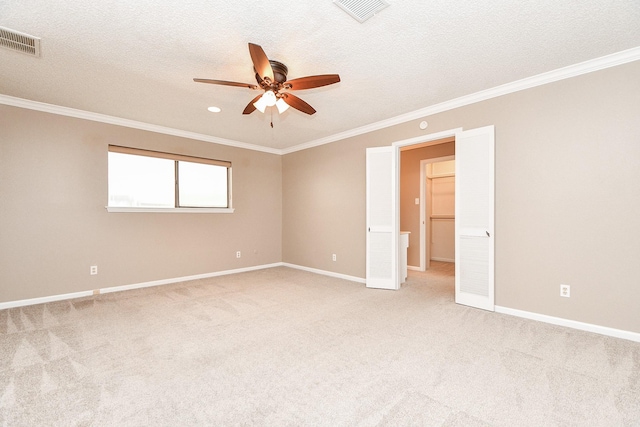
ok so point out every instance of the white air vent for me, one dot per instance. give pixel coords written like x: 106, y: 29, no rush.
x: 20, y: 42
x: 361, y: 10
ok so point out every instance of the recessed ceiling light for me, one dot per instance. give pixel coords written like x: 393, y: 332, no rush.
x: 214, y: 109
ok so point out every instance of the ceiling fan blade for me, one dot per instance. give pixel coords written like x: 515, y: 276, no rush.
x: 226, y: 83
x: 298, y: 103
x: 313, y: 81
x: 260, y: 61
x: 250, y: 108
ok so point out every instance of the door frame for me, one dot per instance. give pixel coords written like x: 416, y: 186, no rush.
x: 418, y: 141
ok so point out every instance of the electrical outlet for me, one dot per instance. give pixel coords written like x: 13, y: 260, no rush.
x: 93, y: 270
x: 238, y: 254
x: 565, y: 291
x: 333, y: 257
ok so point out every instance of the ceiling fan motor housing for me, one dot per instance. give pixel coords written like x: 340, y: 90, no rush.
x: 279, y: 72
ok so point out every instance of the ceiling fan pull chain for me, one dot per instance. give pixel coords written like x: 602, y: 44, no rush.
x: 271, y: 118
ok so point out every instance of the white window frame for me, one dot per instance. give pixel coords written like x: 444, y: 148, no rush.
x: 177, y: 157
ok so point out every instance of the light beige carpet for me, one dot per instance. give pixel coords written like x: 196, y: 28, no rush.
x: 284, y: 347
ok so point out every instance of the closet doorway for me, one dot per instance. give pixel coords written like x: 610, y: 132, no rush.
x: 437, y: 208
x: 416, y: 164
x: 474, y: 212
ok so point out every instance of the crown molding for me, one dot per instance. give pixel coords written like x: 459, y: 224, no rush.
x: 575, y: 70
x: 103, y: 118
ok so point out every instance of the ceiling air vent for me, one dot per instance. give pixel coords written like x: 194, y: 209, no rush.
x: 20, y: 42
x: 361, y: 10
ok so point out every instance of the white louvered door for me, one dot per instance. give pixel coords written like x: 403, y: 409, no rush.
x: 382, y: 235
x: 475, y: 195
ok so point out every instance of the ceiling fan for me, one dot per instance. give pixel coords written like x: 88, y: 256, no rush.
x: 272, y: 80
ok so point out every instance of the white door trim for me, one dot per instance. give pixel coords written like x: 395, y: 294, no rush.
x: 422, y: 141
x: 426, y: 140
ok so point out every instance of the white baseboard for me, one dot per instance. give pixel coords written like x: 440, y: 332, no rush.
x: 52, y: 298
x: 413, y: 268
x: 326, y: 273
x: 187, y: 278
x: 42, y: 300
x: 602, y: 330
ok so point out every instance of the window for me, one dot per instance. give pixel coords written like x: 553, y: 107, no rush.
x: 143, y: 180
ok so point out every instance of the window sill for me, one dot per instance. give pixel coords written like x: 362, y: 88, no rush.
x: 169, y: 210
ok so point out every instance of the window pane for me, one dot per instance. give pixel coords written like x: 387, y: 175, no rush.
x: 141, y: 181
x: 202, y: 185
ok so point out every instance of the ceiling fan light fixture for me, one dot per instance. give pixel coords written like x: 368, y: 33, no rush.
x: 260, y: 104
x: 282, y: 106
x: 269, y: 98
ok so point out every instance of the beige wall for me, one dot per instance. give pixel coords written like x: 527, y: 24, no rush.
x: 567, y: 196
x: 410, y: 190
x: 323, y: 204
x: 53, y: 185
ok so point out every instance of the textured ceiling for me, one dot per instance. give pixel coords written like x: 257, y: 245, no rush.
x: 136, y: 59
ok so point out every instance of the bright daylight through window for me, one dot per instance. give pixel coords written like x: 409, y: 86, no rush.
x: 143, y: 180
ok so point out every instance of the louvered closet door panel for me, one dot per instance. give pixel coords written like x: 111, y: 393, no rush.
x: 381, y: 235
x: 475, y: 218
x: 474, y: 271
x: 380, y: 266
